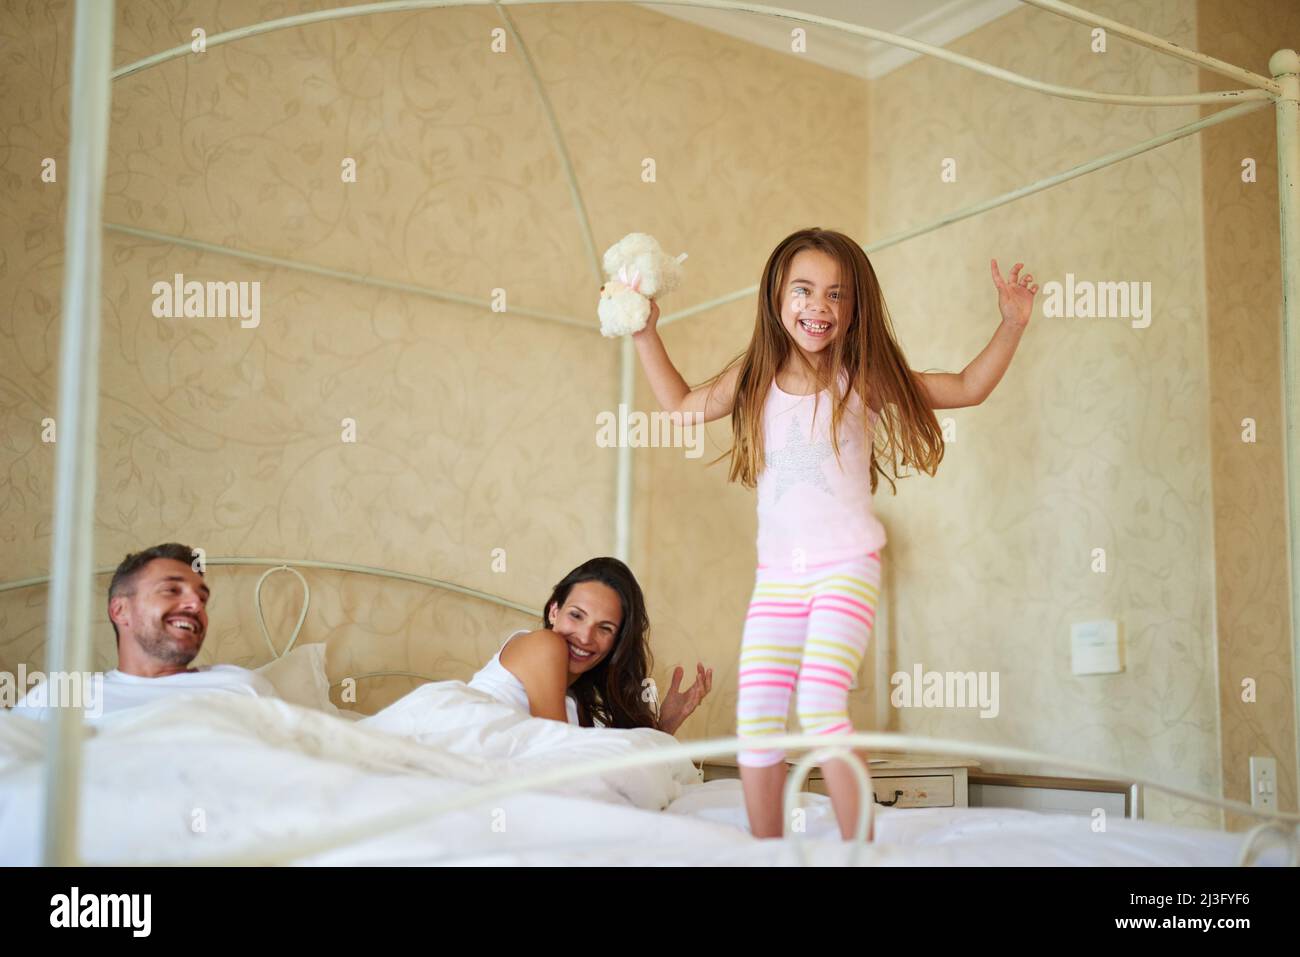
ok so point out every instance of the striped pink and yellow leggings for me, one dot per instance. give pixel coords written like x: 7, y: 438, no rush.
x: 806, y: 631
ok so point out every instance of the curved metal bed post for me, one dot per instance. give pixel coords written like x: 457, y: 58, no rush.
x: 1158, y: 44
x: 328, y: 566
x: 1279, y: 834
x: 377, y: 572
x: 298, y: 848
x: 343, y: 275
x: 626, y: 355
x: 866, y: 796
x: 287, y: 566
x: 302, y: 616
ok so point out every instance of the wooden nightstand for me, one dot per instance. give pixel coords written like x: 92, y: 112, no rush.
x: 901, y: 780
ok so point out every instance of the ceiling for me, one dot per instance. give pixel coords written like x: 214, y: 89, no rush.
x: 937, y: 22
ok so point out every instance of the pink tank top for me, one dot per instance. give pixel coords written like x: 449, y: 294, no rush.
x: 811, y: 508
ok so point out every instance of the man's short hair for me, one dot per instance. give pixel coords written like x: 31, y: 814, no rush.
x: 123, y: 582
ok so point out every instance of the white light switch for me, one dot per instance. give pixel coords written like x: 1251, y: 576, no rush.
x: 1263, y: 783
x: 1094, y: 648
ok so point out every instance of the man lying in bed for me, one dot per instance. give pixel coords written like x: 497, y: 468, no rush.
x: 157, y: 604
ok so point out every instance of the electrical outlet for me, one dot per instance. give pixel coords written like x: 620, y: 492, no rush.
x: 1263, y: 783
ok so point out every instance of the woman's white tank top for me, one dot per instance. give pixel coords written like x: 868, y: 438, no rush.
x: 494, y: 679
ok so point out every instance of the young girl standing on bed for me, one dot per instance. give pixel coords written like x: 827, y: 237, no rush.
x: 822, y: 346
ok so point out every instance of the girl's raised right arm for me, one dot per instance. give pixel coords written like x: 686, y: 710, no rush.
x: 714, y: 399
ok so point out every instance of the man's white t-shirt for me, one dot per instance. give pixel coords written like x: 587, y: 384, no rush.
x: 121, y: 691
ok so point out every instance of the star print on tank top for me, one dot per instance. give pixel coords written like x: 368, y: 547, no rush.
x: 799, y: 460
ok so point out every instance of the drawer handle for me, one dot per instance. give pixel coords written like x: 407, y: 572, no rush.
x: 897, y: 795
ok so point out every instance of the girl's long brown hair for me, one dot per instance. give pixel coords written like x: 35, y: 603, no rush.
x: 613, y: 691
x: 907, y: 432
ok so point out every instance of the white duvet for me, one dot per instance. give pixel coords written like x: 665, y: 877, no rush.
x: 206, y: 776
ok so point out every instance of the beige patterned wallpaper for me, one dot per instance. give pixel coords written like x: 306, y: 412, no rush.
x: 475, y: 429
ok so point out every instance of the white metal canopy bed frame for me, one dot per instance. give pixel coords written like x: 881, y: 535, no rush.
x: 71, y: 578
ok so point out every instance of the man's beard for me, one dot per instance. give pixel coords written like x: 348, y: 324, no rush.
x: 161, y: 646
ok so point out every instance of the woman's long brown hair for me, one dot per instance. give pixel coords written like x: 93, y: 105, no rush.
x: 613, y: 691
x: 907, y: 432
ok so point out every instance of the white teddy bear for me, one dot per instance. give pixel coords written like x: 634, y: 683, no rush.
x: 638, y: 270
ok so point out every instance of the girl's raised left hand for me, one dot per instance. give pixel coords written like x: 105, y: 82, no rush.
x: 1015, y: 297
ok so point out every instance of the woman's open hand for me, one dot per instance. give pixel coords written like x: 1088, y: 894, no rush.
x: 678, y: 704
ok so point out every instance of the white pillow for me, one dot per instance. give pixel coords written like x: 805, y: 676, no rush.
x: 299, y: 678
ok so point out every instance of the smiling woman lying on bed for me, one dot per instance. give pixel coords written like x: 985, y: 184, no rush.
x: 592, y: 662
